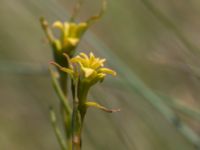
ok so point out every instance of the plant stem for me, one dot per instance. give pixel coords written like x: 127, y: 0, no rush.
x: 57, y: 130
x: 65, y: 108
x: 66, y: 116
x: 76, y: 120
x: 76, y: 125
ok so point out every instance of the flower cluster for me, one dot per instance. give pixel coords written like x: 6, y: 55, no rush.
x: 87, y: 69
x: 70, y: 35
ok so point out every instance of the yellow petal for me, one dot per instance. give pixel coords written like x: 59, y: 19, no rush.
x: 73, y: 41
x: 58, y: 25
x: 72, y: 29
x: 82, y: 27
x: 107, y: 71
x: 91, y: 56
x: 76, y: 59
x: 79, y: 60
x: 84, y: 55
x: 94, y: 104
x: 66, y: 29
x: 101, y: 75
x: 101, y: 61
x: 97, y: 63
x: 87, y: 71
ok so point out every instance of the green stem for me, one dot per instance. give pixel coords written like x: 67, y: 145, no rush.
x: 76, y: 120
x: 59, y: 92
x: 82, y: 96
x: 76, y: 125
x: 63, y: 82
x: 65, y: 107
x: 57, y: 130
x: 66, y: 116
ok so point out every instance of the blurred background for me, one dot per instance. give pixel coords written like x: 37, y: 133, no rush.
x: 154, y: 47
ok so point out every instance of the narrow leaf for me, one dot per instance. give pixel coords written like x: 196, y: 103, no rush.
x: 61, y: 95
x: 94, y: 104
x: 57, y: 130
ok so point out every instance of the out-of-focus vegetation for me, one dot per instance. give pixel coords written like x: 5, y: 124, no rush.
x: 153, y: 45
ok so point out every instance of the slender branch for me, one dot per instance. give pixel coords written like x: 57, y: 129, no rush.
x: 57, y: 130
x: 65, y: 107
x: 100, y: 14
x: 76, y: 10
x: 76, y: 120
x: 61, y: 95
x: 45, y: 27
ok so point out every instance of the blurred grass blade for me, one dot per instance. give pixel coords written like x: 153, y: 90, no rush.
x: 22, y: 68
x: 170, y: 25
x: 193, y: 113
x: 136, y: 84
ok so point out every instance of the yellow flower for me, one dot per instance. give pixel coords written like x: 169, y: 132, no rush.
x: 70, y: 34
x: 87, y: 68
x: 68, y: 39
x: 91, y: 66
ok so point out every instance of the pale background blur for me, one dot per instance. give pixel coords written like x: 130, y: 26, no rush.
x: 154, y: 47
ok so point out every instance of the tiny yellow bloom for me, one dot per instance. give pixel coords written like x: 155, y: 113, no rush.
x: 70, y: 34
x: 92, y: 66
x: 87, y: 68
